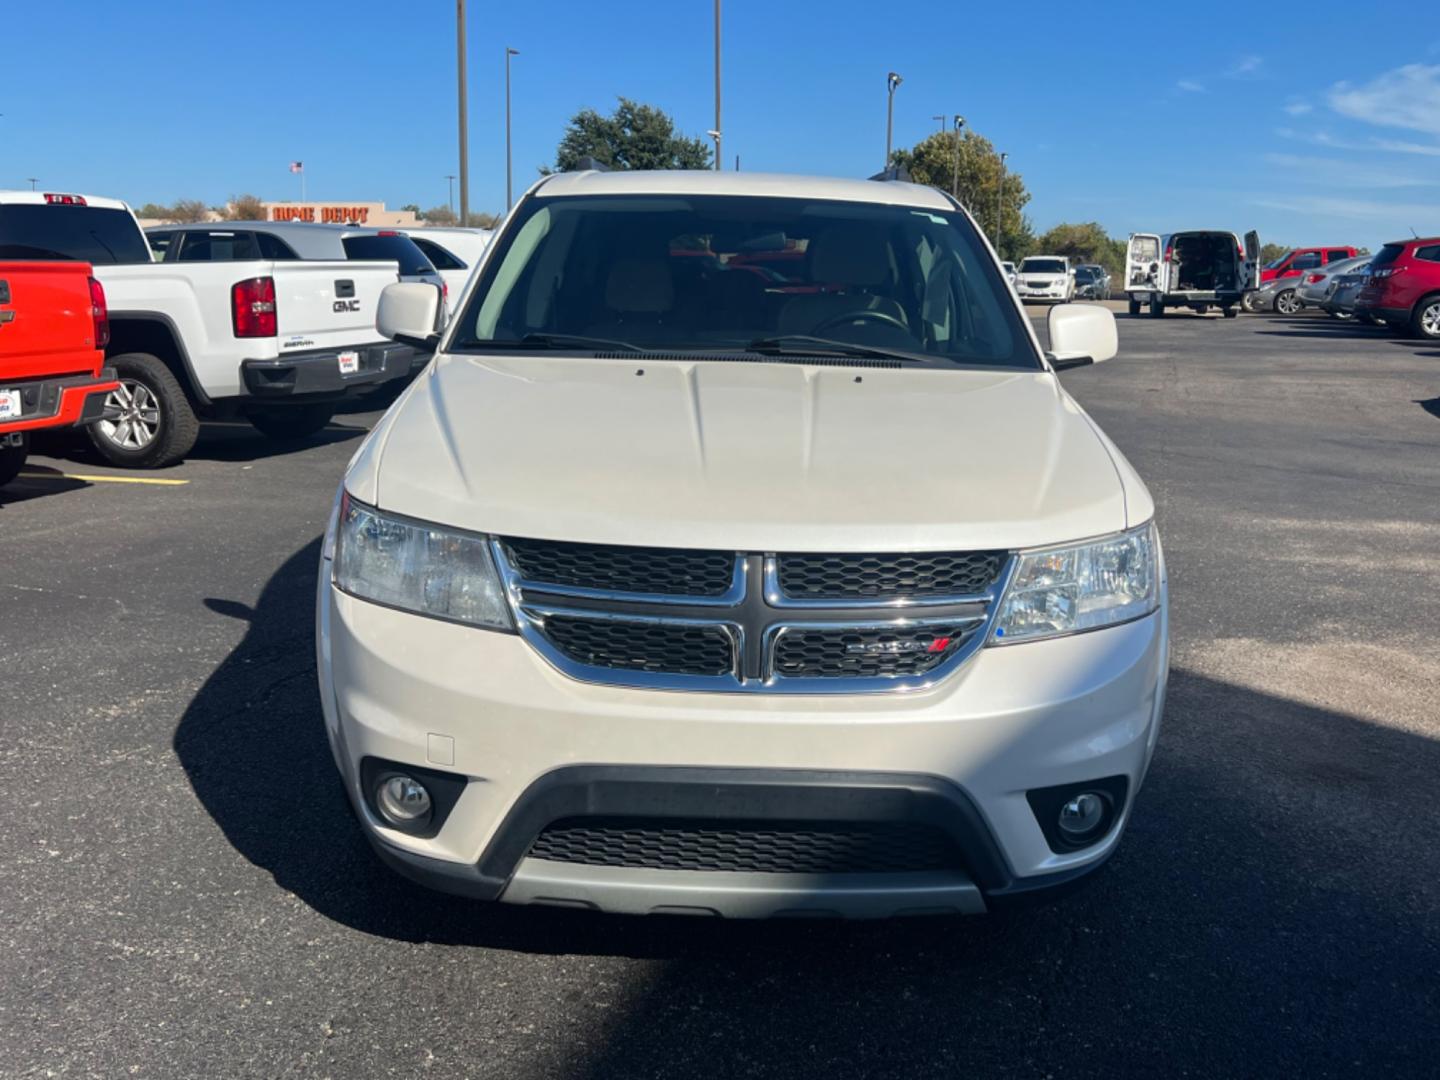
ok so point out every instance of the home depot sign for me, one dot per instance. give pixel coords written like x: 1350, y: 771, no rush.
x: 326, y: 213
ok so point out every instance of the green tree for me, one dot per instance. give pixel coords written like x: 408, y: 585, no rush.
x: 243, y: 208
x: 414, y: 208
x: 634, y: 136
x: 436, y: 215
x: 189, y: 211
x: 1270, y: 252
x: 1084, y: 243
x: 481, y: 220
x: 970, y: 167
x: 153, y: 212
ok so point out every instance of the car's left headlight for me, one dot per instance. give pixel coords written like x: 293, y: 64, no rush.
x: 418, y: 567
x: 1065, y: 590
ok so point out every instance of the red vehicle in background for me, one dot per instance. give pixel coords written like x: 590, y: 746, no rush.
x: 1403, y: 289
x: 53, y: 330
x: 1296, y: 261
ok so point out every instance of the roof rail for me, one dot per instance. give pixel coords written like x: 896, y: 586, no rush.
x: 590, y: 164
x: 895, y: 172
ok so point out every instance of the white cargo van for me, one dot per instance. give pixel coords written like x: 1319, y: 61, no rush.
x: 1198, y: 270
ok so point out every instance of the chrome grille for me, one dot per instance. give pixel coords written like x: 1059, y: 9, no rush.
x: 774, y: 847
x: 788, y: 623
x: 815, y: 652
x: 906, y: 576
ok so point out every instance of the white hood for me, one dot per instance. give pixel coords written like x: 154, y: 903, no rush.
x: 748, y: 456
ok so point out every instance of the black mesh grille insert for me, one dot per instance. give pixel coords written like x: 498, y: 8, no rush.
x: 775, y: 847
x: 635, y: 646
x: 664, y: 571
x: 820, y: 653
x: 884, y: 577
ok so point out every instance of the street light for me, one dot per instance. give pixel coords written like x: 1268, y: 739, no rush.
x: 451, y: 186
x: 955, y: 174
x: 509, y: 197
x: 715, y: 132
x: 941, y: 118
x: 32, y: 182
x: 464, y: 118
x: 892, y: 83
x: 1000, y: 203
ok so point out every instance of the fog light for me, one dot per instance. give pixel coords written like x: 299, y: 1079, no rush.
x: 1082, y: 815
x: 402, y: 800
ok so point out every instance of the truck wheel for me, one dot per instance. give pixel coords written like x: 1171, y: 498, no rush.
x: 1134, y: 307
x: 1229, y: 311
x: 1425, y: 322
x: 157, y: 426
x: 1287, y: 303
x: 12, y: 459
x: 1157, y: 309
x: 1202, y: 309
x: 292, y: 421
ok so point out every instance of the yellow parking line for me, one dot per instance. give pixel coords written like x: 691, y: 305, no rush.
x: 95, y: 478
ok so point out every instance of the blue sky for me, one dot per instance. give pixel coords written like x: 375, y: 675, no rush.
x: 1321, y: 129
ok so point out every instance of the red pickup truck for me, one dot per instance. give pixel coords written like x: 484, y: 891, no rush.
x: 53, y: 332
x: 1297, y: 260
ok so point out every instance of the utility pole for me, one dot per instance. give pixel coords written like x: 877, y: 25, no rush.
x: 955, y: 174
x: 464, y: 114
x: 509, y: 174
x: 941, y: 118
x: 33, y: 181
x: 451, y: 185
x: 718, y: 129
x: 892, y: 83
x: 1000, y: 203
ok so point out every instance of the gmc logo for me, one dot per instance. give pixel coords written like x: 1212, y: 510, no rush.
x: 342, y: 306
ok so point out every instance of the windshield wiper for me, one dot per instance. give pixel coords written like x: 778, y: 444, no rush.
x: 806, y: 345
x: 554, y: 341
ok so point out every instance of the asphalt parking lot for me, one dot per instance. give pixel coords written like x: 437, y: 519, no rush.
x: 183, y: 893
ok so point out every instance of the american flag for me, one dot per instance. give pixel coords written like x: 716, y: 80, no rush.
x: 297, y: 166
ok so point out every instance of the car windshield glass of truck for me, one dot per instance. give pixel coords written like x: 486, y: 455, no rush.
x: 783, y: 277
x: 93, y: 234
x: 1042, y: 266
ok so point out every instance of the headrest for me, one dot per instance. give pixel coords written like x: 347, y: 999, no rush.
x: 639, y: 286
x: 850, y: 255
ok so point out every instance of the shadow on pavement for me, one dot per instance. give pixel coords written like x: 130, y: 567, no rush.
x: 1272, y: 910
x: 232, y: 441
x: 1432, y: 406
x: 37, y: 481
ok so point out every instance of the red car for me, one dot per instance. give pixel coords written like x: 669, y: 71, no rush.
x: 1298, y: 260
x: 53, y: 331
x: 1403, y: 289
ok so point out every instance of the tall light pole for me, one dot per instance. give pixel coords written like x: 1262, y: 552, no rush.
x: 451, y: 185
x: 1000, y: 203
x: 33, y: 181
x: 715, y: 134
x: 509, y: 195
x: 892, y: 83
x: 941, y: 118
x: 955, y: 174
x: 464, y: 114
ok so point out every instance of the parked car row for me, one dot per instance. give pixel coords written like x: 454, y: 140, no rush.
x: 267, y: 321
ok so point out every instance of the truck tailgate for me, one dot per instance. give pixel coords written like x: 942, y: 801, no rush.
x: 46, y: 324
x: 323, y: 305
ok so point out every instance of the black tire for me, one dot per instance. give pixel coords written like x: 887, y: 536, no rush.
x: 1202, y: 309
x: 1286, y: 298
x: 1157, y: 309
x: 161, y: 427
x: 1134, y: 307
x: 1425, y: 319
x: 1248, y: 302
x: 12, y: 460
x: 1229, y: 311
x: 288, y: 422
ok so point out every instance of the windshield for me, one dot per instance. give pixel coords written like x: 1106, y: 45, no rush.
x: 1042, y: 266
x: 93, y: 234
x: 1084, y: 273
x: 1275, y: 264
x: 723, y: 272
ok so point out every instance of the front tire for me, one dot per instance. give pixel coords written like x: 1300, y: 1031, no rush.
x: 1287, y: 303
x: 1425, y: 321
x: 157, y: 426
x: 12, y: 460
x: 1229, y: 311
x: 1134, y: 307
x: 292, y: 421
x: 1157, y: 309
x: 1248, y: 303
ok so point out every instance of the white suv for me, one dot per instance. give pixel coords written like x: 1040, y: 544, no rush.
x: 674, y: 586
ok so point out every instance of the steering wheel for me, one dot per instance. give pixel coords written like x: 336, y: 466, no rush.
x: 862, y: 315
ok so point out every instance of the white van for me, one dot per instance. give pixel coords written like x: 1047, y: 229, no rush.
x: 1198, y: 270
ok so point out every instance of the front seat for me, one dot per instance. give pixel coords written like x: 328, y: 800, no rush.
x: 639, y: 294
x: 853, y: 259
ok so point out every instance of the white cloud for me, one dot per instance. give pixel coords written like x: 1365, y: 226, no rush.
x: 1399, y: 147
x: 1297, y: 108
x: 1408, y: 97
x: 1360, y: 209
x: 1332, y: 172
x: 1190, y: 86
x: 1331, y: 142
x: 1248, y: 66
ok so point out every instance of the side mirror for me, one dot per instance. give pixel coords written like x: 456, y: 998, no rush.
x: 408, y: 312
x: 1081, y: 334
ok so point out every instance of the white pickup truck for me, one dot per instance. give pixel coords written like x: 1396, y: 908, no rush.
x: 278, y: 342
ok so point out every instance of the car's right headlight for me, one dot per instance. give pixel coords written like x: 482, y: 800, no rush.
x: 418, y: 567
x: 1065, y: 590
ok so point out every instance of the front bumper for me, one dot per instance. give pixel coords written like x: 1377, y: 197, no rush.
x: 70, y: 401
x: 533, y: 745
x: 317, y: 375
